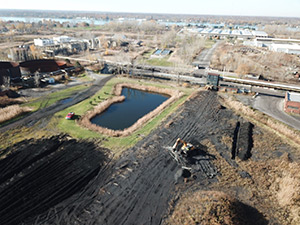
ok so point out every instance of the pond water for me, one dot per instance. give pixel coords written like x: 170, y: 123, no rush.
x: 124, y: 114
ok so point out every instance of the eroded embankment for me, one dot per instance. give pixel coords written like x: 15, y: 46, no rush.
x: 39, y: 174
x: 86, y: 119
x: 214, y: 207
x: 260, y: 119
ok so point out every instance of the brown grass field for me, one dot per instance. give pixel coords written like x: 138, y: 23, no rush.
x: 209, y: 208
x: 5, y: 101
x: 273, y: 190
x: 11, y: 112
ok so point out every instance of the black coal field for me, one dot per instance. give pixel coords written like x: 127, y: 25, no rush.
x: 38, y: 174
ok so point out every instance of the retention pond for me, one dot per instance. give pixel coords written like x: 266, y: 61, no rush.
x: 122, y: 115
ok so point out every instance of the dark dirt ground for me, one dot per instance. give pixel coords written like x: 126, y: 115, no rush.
x: 143, y: 185
x: 37, y: 175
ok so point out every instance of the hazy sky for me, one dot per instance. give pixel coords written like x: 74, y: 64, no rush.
x: 290, y: 8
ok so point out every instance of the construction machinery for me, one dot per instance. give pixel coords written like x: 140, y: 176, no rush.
x: 180, y: 151
x: 192, y: 157
x: 185, y: 146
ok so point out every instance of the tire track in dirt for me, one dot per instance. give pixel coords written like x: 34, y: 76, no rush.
x: 40, y: 174
x: 142, y: 196
x: 137, y: 188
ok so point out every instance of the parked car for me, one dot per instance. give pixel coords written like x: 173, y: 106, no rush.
x: 70, y: 115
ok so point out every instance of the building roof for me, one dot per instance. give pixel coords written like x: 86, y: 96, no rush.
x: 286, y: 46
x: 287, y: 40
x: 8, y: 65
x: 259, y: 33
x: 246, y: 32
x: 294, y: 97
x: 237, y: 32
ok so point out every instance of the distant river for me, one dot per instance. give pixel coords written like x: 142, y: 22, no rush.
x: 61, y: 20
x: 102, y: 22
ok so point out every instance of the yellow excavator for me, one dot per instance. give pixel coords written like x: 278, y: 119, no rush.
x: 185, y: 146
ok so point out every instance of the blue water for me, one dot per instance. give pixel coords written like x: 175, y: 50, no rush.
x: 66, y: 100
x: 102, y: 22
x: 61, y: 20
x: 122, y: 115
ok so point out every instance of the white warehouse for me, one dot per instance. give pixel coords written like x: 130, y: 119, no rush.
x: 54, y: 41
x: 43, y: 42
x: 286, y: 48
x: 61, y: 39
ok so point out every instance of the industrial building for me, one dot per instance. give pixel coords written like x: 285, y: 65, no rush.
x: 292, y: 102
x: 43, y: 42
x: 9, y: 73
x: 61, y: 39
x: 64, y: 45
x: 42, y: 66
x: 54, y: 41
x: 213, y: 80
x: 286, y: 48
x: 222, y: 33
x: 289, y: 46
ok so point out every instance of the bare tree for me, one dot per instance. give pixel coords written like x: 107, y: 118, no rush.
x: 37, y: 79
x: 243, y: 69
x: 6, y: 82
x: 123, y: 61
x: 189, y: 47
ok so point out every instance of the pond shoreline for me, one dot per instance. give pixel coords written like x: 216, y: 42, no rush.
x: 85, y: 121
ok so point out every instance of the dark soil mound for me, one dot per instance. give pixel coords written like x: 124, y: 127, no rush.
x: 212, y: 207
x: 10, y: 94
x: 38, y: 174
x: 245, y: 141
x: 242, y: 141
x: 42, y: 65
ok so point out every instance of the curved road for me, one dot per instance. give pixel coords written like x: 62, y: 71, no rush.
x: 273, y: 106
x: 34, y: 117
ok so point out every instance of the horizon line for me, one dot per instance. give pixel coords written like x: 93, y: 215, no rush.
x: 149, y: 13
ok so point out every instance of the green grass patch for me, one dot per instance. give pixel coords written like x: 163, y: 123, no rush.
x: 50, y: 99
x: 117, y: 144
x: 159, y: 62
x: 209, y: 43
x: 84, y: 78
x: 148, y: 54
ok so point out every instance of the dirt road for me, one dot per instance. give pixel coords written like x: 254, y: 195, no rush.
x: 58, y: 106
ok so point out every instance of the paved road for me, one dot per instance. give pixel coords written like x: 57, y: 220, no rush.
x: 273, y: 106
x: 58, y: 106
x: 203, y: 59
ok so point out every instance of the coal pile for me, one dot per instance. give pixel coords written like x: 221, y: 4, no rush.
x: 242, y: 140
x: 245, y: 141
x: 38, y: 174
